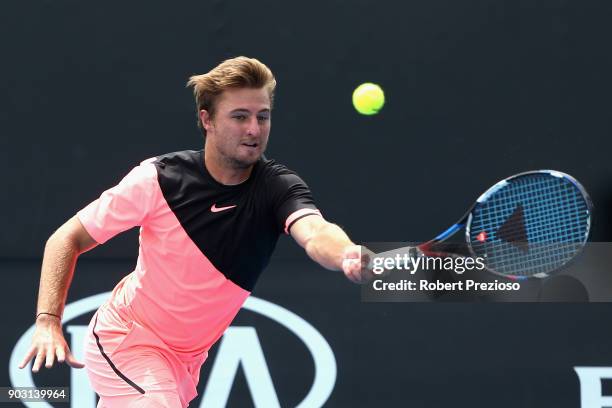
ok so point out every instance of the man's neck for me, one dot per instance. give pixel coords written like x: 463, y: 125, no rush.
x: 223, y: 173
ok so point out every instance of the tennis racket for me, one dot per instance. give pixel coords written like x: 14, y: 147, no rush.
x: 527, y: 225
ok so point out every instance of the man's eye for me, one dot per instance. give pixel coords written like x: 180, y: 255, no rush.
x: 263, y: 118
x: 240, y: 117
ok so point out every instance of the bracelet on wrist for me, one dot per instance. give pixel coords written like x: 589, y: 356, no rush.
x: 50, y: 314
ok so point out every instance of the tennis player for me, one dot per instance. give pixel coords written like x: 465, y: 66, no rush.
x: 209, y: 221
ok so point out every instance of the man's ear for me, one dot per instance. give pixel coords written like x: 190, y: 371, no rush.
x: 205, y: 119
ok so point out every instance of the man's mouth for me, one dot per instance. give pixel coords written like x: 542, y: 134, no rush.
x: 251, y: 145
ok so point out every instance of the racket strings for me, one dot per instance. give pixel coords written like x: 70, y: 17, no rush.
x: 554, y: 221
x: 559, y: 216
x: 547, y: 223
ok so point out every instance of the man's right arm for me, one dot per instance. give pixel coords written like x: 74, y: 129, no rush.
x: 59, y: 260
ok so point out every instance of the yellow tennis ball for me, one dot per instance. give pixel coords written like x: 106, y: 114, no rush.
x: 368, y: 98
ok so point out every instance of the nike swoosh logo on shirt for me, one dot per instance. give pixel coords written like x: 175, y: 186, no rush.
x: 215, y: 209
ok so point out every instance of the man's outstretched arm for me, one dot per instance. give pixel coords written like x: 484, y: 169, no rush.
x: 59, y: 260
x: 328, y: 245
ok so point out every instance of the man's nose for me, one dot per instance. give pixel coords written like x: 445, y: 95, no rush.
x: 253, y: 127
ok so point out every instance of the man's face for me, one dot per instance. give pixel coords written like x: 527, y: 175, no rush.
x: 238, y: 133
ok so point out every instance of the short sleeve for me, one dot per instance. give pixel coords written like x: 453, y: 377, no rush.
x: 292, y: 200
x: 123, y: 206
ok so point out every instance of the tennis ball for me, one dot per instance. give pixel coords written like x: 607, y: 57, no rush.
x: 368, y: 98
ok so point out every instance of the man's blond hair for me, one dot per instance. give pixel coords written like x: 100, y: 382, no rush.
x: 239, y: 72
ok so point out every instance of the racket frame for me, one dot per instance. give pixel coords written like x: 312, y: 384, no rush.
x: 466, y: 220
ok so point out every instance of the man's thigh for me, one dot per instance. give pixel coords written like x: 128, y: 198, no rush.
x: 125, y: 373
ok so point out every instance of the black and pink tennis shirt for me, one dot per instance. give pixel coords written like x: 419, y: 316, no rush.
x: 202, y: 244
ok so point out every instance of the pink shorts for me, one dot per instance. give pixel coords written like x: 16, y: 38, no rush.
x: 128, y: 365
